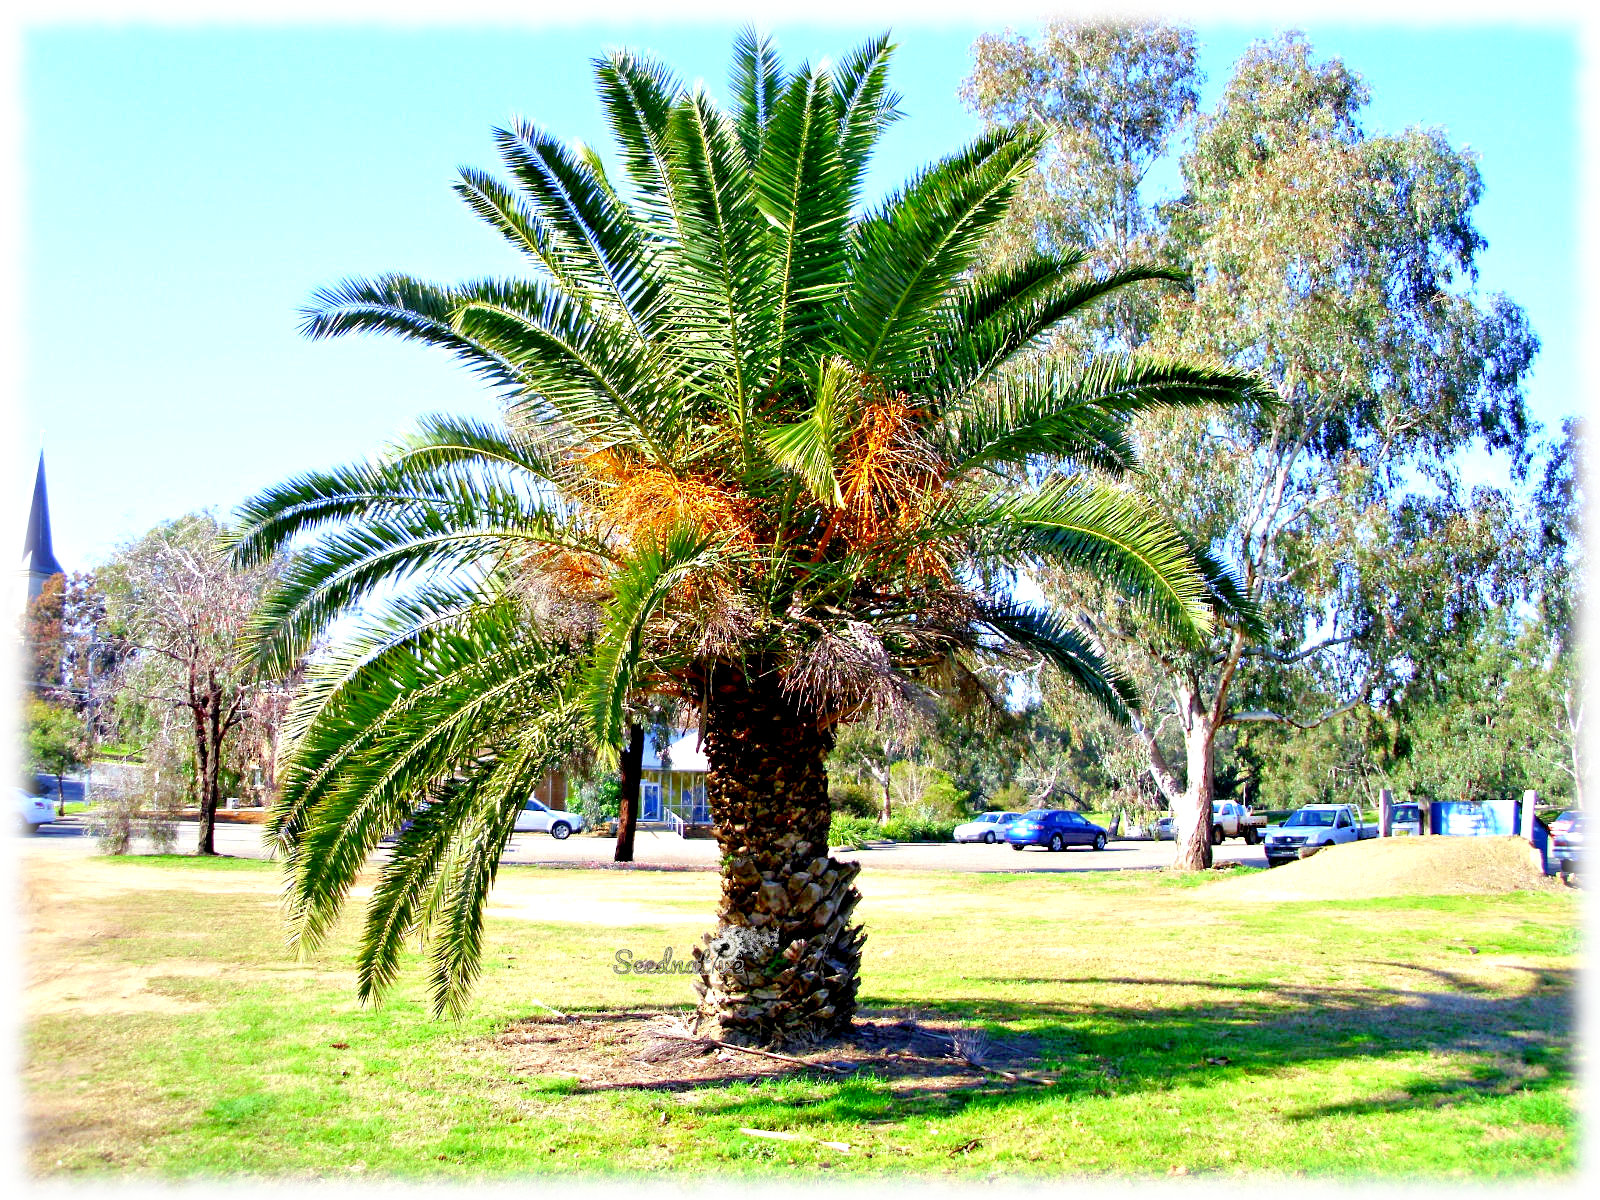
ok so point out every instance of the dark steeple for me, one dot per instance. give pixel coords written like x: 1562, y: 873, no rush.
x: 38, y: 558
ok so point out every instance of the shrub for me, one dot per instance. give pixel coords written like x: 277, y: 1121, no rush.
x: 848, y: 830
x: 852, y: 798
x: 118, y: 815
x: 1010, y: 798
x: 598, y: 801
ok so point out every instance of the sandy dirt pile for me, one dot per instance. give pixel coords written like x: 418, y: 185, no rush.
x: 1403, y: 866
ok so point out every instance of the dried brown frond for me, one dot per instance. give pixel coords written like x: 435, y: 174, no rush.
x: 564, y: 591
x: 846, y: 669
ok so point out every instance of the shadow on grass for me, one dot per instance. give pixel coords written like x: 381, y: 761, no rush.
x: 1482, y: 1044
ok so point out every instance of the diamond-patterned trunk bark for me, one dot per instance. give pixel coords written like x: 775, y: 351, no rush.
x: 781, y: 968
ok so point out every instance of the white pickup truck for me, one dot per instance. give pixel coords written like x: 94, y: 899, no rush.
x: 1311, y: 828
x: 1235, y: 820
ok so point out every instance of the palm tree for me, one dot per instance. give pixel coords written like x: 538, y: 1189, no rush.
x: 763, y: 455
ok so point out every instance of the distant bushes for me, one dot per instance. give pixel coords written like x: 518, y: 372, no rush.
x: 849, y: 830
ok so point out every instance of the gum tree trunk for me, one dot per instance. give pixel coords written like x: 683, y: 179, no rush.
x: 782, y: 966
x: 1193, y: 834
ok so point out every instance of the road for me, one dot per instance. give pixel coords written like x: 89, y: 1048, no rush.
x: 667, y: 850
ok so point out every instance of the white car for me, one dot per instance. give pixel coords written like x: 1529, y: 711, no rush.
x: 32, y: 811
x: 985, y: 827
x: 536, y: 818
x: 1406, y: 821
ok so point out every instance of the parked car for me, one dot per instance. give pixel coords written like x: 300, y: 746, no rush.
x: 536, y: 818
x: 1566, y: 847
x: 985, y: 827
x: 1406, y: 820
x: 1313, y: 827
x: 1164, y: 830
x: 1054, y: 828
x: 32, y: 811
x: 1229, y: 819
x: 1564, y: 822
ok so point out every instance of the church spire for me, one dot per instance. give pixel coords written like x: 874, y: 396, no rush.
x: 38, y: 557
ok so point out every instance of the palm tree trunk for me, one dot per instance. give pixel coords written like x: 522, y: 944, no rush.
x: 782, y: 966
x: 628, y: 793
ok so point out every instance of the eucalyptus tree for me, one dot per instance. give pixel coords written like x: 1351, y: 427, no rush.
x: 764, y: 453
x: 1340, y: 266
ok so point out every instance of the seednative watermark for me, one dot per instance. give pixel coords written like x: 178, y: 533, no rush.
x: 734, y: 950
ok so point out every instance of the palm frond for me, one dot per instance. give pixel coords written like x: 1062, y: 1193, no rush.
x: 863, y: 106
x: 806, y: 448
x: 638, y: 95
x: 1047, y: 635
x: 912, y: 252
x: 720, y: 274
x: 755, y: 81
x: 1089, y: 527
x: 600, y: 241
x: 1079, y: 413
x: 997, y: 318
x: 641, y: 585
x: 801, y: 189
x: 408, y: 308
x: 540, y: 747
x: 368, y: 757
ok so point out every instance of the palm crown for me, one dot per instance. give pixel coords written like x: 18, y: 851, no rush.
x: 751, y: 433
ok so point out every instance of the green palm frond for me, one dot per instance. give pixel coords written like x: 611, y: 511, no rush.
x: 540, y: 747
x: 638, y: 95
x: 572, y: 363
x: 449, y: 522
x: 802, y: 191
x: 1061, y: 410
x: 1085, y: 526
x: 806, y: 448
x: 996, y: 319
x: 600, y: 241
x: 1228, y: 597
x: 369, y: 756
x: 915, y: 248
x: 441, y: 440
x: 755, y: 81
x: 863, y: 106
x: 641, y: 585
x: 720, y: 272
x: 407, y: 308
x: 1047, y: 635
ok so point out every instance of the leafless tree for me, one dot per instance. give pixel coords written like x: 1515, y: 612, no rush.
x: 179, y: 608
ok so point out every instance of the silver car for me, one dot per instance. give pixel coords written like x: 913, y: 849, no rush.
x: 32, y: 811
x: 536, y: 818
x: 985, y: 827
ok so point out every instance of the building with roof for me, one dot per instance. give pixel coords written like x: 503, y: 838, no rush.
x: 673, y: 780
x: 38, y: 555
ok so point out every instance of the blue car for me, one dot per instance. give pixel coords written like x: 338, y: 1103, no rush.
x: 1055, y: 829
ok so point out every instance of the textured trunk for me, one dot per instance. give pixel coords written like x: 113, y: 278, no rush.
x: 208, y: 731
x: 1194, y: 813
x: 628, y: 793
x: 781, y: 968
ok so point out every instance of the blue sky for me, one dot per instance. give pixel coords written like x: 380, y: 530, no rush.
x: 185, y: 189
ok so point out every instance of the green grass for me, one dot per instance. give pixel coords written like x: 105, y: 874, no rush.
x: 1347, y: 1041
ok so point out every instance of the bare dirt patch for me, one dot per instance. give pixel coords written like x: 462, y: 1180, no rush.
x: 96, y: 988
x: 612, y: 1051
x: 1404, y: 866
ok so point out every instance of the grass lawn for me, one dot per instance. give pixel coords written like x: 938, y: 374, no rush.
x: 168, y: 1034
